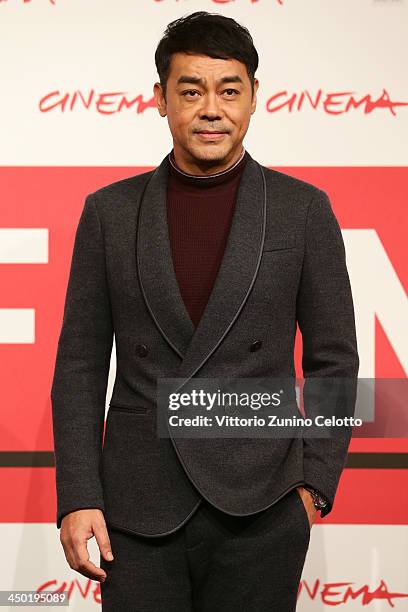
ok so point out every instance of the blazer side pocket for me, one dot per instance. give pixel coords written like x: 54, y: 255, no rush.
x: 115, y: 407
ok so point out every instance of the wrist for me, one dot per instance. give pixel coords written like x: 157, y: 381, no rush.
x: 319, y: 500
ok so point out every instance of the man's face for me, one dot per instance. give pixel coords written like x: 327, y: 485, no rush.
x: 204, y: 94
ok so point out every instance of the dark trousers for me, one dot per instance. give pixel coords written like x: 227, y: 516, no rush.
x: 214, y: 563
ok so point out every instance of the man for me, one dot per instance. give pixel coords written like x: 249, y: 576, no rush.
x: 202, y: 267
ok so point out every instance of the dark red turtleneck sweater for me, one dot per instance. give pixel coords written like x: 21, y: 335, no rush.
x: 199, y: 215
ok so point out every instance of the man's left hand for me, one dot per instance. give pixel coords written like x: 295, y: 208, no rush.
x: 307, y: 500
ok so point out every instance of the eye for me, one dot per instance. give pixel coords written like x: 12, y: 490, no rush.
x: 189, y: 92
x: 193, y: 91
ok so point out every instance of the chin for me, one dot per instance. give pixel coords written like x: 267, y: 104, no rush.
x: 210, y: 152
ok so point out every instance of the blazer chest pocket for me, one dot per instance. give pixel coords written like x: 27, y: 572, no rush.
x: 117, y: 407
x: 279, y: 245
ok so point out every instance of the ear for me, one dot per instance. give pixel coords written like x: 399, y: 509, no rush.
x: 160, y: 99
x: 253, y: 102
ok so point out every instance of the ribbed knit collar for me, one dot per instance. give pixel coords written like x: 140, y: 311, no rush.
x: 209, y: 180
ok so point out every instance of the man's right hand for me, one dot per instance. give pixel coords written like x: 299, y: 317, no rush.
x: 77, y: 528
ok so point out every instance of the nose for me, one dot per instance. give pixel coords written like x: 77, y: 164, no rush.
x: 210, y: 108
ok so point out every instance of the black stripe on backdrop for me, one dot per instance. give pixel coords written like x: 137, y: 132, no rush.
x: 354, y: 460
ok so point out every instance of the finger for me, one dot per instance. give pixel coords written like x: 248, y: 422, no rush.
x: 103, y: 541
x: 82, y: 562
x: 312, y: 515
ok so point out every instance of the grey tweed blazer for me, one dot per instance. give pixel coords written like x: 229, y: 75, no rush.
x: 284, y: 265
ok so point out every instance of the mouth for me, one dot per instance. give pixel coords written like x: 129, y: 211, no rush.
x: 207, y: 135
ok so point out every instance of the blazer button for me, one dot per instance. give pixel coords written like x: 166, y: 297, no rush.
x: 255, y: 345
x: 141, y: 350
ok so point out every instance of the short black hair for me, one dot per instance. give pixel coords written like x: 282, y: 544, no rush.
x: 209, y: 34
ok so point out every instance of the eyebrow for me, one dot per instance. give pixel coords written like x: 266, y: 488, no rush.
x: 234, y: 78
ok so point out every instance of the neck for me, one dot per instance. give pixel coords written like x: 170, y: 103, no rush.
x: 177, y: 167
x: 193, y: 183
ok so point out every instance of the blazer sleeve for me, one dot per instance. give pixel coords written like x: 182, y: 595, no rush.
x: 330, y: 361
x: 81, y: 371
